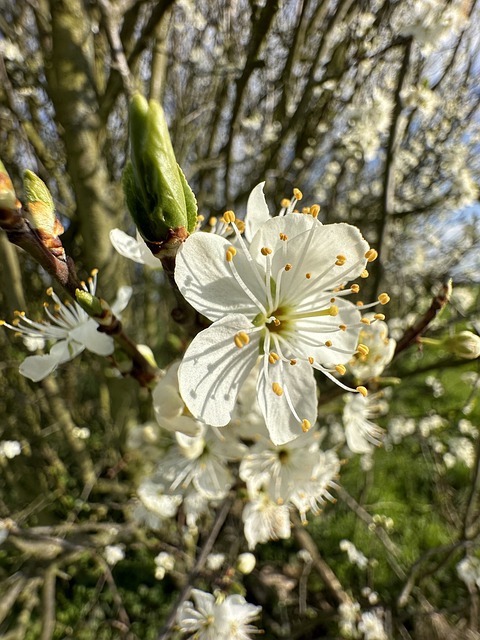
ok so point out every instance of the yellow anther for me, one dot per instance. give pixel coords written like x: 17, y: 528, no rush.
x: 364, y: 274
x: 362, y: 391
x: 366, y: 321
x: 228, y: 217
x: 50, y: 291
x: 297, y: 194
x: 45, y: 305
x: 308, y: 276
x: 306, y: 425
x: 333, y: 311
x: 240, y: 225
x: 241, y: 339
x: 231, y: 251
x: 265, y: 251
x: 57, y: 307
x: 379, y: 316
x: 277, y: 389
x: 288, y: 266
x: 341, y: 369
x: 342, y: 327
x: 359, y: 303
x: 371, y: 255
x: 285, y: 203
x: 93, y: 272
x: 276, y: 322
x: 16, y: 322
x: 328, y: 343
x: 17, y: 334
x: 200, y: 218
x: 20, y: 314
x: 2, y: 322
x: 82, y: 282
x: 284, y: 237
x: 293, y: 362
x: 311, y: 360
x: 383, y: 298
x: 273, y: 357
x: 340, y: 261
x: 363, y: 349
x: 212, y: 221
x: 314, y: 210
x: 306, y: 210
x: 355, y: 288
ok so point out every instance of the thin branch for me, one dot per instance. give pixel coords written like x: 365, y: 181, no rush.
x: 381, y: 534
x: 332, y: 583
x: 222, y: 513
x: 414, y: 332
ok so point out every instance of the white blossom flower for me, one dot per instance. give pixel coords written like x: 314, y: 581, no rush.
x: 114, y: 553
x: 5, y: 526
x: 215, y: 561
x: 371, y: 626
x: 361, y: 433
x: 312, y: 495
x: 354, y: 555
x: 164, y: 563
x: 201, y: 460
x: 281, y: 299
x: 156, y: 504
x: 280, y: 470
x: 10, y: 449
x: 208, y: 618
x: 133, y: 248
x: 169, y: 407
x: 265, y: 520
x: 348, y: 612
x: 71, y: 330
x: 430, y: 22
x: 374, y: 335
x: 468, y: 570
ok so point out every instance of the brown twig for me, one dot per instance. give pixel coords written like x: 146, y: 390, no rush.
x: 62, y: 268
x: 332, y: 583
x: 220, y: 518
x: 414, y: 332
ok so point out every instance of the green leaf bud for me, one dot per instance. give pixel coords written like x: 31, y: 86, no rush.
x: 40, y: 204
x: 8, y: 199
x: 156, y: 191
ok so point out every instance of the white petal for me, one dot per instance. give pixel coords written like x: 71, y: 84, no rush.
x: 257, y: 212
x: 344, y: 343
x: 268, y: 235
x: 299, y: 387
x: 66, y: 350
x: 37, y: 368
x: 90, y: 338
x: 206, y: 281
x: 123, y: 298
x: 213, y: 369
x: 316, y: 253
x: 132, y: 249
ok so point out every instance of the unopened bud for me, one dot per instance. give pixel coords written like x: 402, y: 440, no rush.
x: 89, y: 303
x: 463, y: 345
x: 157, y: 193
x: 246, y: 563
